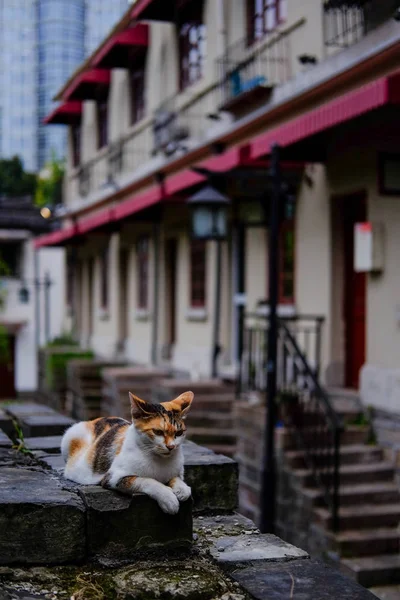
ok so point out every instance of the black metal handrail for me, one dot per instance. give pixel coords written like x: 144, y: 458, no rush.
x: 348, y: 21
x: 308, y: 411
x: 305, y: 406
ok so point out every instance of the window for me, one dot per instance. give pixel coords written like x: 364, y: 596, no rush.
x: 104, y: 267
x: 102, y: 122
x: 198, y: 274
x: 192, y: 43
x: 70, y: 283
x: 143, y: 272
x: 137, y: 94
x: 10, y: 259
x: 264, y: 16
x: 286, y: 271
x: 76, y: 144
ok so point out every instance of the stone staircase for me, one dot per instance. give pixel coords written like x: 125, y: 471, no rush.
x: 367, y: 547
x: 211, y: 415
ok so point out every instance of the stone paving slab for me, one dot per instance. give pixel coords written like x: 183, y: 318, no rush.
x: 119, y: 527
x: 27, y: 409
x: 45, y: 425
x: 300, y: 580
x: 50, y: 444
x: 40, y: 522
x: 235, y: 540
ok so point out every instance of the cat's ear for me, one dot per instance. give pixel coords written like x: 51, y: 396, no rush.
x: 140, y: 408
x: 181, y: 404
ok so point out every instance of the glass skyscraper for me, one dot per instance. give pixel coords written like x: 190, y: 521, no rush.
x: 41, y: 44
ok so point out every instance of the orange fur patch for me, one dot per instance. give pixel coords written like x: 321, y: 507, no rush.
x: 75, y: 446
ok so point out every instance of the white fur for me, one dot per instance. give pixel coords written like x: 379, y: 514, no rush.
x: 150, y: 461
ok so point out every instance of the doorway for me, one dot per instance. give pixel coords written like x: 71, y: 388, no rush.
x: 7, y: 372
x: 171, y: 255
x: 354, y: 309
x: 90, y: 298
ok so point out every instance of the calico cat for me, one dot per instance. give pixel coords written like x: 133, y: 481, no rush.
x: 144, y: 456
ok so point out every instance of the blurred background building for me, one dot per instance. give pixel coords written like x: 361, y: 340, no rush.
x: 44, y: 40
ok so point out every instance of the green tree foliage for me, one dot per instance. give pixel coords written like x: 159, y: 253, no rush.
x: 14, y: 181
x: 49, y: 184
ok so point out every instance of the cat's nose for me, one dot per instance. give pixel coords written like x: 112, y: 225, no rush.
x: 170, y: 447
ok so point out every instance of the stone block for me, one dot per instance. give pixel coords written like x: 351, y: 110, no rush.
x: 49, y: 444
x: 27, y: 409
x: 121, y: 527
x: 40, y: 522
x: 308, y: 579
x: 45, y: 425
x: 212, y: 477
x: 6, y: 423
x: 5, y: 441
x: 235, y: 540
x: 54, y: 461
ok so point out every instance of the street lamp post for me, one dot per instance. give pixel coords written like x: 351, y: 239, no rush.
x: 209, y: 222
x: 268, y: 482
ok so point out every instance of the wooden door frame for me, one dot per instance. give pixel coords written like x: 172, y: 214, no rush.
x: 360, y: 196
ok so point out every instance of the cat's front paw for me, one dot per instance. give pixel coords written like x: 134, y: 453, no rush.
x: 181, y: 490
x: 168, y: 502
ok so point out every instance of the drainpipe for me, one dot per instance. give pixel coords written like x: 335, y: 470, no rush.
x: 156, y: 287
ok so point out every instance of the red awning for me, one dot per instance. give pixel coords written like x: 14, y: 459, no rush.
x: 155, y: 10
x: 118, y: 51
x: 87, y: 85
x: 56, y: 238
x: 382, y: 92
x: 102, y: 218
x: 65, y: 114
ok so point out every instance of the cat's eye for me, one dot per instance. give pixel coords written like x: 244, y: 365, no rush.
x: 158, y: 432
x: 179, y: 433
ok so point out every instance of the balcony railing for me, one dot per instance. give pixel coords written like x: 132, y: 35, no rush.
x: 348, y: 21
x: 246, y: 72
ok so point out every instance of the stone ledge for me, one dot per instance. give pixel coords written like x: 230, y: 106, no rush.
x: 121, y: 527
x: 40, y: 522
x: 212, y: 477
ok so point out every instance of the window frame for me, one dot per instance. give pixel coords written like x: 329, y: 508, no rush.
x: 76, y: 133
x: 198, y: 266
x: 137, y: 82
x: 102, y: 122
x: 104, y: 277
x: 268, y: 6
x: 143, y: 271
x: 191, y: 18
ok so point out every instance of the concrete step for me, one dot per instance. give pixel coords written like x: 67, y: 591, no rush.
x: 367, y: 493
x: 351, y: 454
x: 353, y: 434
x: 225, y: 449
x: 367, y: 542
x: 363, y: 516
x: 213, y: 419
x: 206, y: 435
x: 381, y: 471
x: 373, y: 570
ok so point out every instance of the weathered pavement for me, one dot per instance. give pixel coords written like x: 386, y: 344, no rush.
x: 59, y: 539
